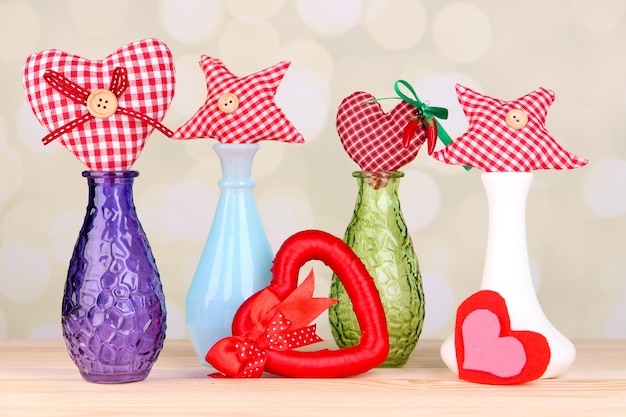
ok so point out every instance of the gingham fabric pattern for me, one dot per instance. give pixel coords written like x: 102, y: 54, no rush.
x: 113, y: 143
x: 373, y: 138
x: 491, y: 145
x: 257, y: 117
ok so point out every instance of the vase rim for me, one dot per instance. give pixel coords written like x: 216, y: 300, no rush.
x: 507, y: 173
x: 236, y: 145
x: 378, y: 174
x: 110, y: 174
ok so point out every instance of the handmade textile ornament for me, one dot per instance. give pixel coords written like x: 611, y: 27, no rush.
x: 488, y: 351
x: 379, y: 141
x: 507, y: 135
x: 273, y: 322
x: 240, y: 110
x: 102, y: 111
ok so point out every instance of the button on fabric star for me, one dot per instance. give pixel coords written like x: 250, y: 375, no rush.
x: 507, y: 136
x: 228, y: 103
x: 240, y: 109
x: 516, y: 119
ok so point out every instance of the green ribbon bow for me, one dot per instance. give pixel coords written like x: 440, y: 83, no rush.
x: 426, y: 111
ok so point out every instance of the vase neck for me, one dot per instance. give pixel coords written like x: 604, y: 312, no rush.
x: 378, y: 191
x: 507, y: 194
x: 507, y: 254
x: 111, y: 188
x: 236, y: 161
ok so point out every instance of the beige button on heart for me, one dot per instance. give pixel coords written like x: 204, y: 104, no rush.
x: 102, y: 103
x: 516, y: 119
x: 228, y: 103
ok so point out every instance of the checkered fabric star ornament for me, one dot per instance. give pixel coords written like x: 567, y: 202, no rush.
x: 240, y: 109
x: 507, y: 136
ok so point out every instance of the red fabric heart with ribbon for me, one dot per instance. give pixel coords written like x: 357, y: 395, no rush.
x: 373, y: 138
x: 488, y: 351
x: 275, y: 321
x: 102, y: 111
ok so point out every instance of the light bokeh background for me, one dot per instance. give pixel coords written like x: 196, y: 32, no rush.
x: 576, y: 220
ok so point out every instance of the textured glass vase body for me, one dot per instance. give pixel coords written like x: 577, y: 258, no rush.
x: 378, y: 235
x: 507, y: 269
x: 237, y: 257
x: 113, y: 312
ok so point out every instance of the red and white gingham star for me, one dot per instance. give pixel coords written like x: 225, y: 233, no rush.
x: 255, y: 116
x: 495, y: 144
x: 140, y: 75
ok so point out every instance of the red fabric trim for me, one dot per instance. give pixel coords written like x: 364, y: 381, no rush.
x: 293, y: 254
x: 536, y: 348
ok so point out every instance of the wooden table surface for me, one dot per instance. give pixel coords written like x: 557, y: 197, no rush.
x: 37, y: 378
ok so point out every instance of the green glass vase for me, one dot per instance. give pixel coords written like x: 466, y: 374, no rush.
x: 378, y: 235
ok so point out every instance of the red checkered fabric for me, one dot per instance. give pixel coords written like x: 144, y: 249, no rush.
x: 113, y: 143
x: 256, y: 118
x: 373, y: 138
x: 493, y: 146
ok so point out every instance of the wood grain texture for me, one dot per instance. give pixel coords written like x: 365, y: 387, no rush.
x: 37, y: 378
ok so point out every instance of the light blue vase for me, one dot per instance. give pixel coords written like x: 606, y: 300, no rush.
x: 237, y: 257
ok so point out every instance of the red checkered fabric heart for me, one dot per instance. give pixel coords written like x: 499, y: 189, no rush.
x: 373, y: 138
x: 139, y: 77
x: 507, y: 135
x: 240, y: 109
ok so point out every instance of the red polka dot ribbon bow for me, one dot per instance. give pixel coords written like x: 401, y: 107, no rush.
x: 270, y: 326
x: 507, y: 136
x: 102, y: 111
x: 281, y: 325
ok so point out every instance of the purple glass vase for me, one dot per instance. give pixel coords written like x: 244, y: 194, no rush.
x: 113, y: 313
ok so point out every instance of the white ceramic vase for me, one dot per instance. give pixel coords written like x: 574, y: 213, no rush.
x: 507, y: 269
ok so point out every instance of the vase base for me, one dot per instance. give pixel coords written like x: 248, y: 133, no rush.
x: 115, y: 378
x: 394, y: 363
x: 203, y: 337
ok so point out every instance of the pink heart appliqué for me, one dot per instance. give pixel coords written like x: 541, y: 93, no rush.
x: 373, y: 138
x: 488, y: 351
x: 141, y: 72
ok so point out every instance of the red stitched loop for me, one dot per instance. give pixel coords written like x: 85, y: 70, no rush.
x: 52, y: 136
x: 149, y: 120
x: 373, y: 347
x: 119, y: 81
x: 78, y: 94
x: 66, y: 87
